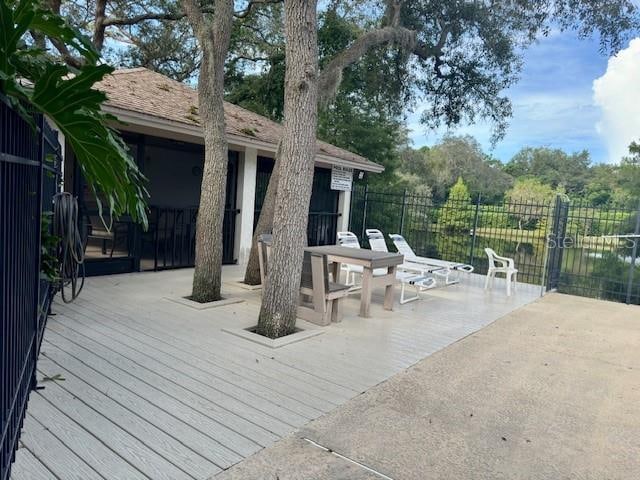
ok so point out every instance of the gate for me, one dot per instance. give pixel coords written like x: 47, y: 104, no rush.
x: 29, y: 174
x: 556, y: 242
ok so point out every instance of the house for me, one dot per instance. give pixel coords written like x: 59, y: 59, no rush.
x: 158, y: 119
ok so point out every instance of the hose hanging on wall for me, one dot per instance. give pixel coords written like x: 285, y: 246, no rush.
x: 71, y: 248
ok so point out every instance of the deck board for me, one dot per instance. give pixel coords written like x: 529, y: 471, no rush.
x: 308, y: 399
x: 155, y: 389
x: 28, y: 467
x: 262, y: 413
x: 108, y: 433
x: 151, y: 425
x: 236, y: 433
x: 236, y: 355
x: 69, y: 452
x: 196, y: 364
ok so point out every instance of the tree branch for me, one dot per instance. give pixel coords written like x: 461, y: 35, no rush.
x: 331, y: 74
x: 123, y: 21
x: 196, y: 18
x: 424, y: 51
x: 405, y: 39
x: 245, y: 13
x: 99, y: 26
x: 114, y: 21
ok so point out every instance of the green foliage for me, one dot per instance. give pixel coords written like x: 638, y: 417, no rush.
x: 456, y: 214
x: 529, y: 201
x: 67, y: 97
x: 365, y: 116
x: 612, y: 275
x: 494, y: 217
x: 260, y: 93
x: 441, y: 165
x: 552, y: 167
x: 49, y: 262
x: 630, y: 170
x: 484, y: 49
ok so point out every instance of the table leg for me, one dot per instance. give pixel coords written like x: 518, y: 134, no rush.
x: 389, y: 291
x: 365, y: 293
x: 336, y: 272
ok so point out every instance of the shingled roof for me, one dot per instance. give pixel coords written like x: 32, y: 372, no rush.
x: 146, y: 92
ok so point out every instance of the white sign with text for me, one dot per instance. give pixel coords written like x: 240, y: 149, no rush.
x: 341, y: 178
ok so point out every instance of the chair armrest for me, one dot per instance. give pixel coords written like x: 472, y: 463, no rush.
x: 507, y: 262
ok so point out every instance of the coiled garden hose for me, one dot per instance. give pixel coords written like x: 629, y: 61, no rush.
x: 71, y: 248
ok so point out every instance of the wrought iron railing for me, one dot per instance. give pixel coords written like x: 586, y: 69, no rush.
x: 29, y: 174
x: 559, y: 244
x: 171, y: 238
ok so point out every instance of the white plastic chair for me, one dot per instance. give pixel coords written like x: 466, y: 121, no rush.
x: 498, y: 264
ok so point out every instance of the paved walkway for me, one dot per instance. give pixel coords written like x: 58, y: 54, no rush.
x: 550, y: 391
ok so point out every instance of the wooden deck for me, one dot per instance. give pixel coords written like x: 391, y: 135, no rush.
x: 140, y: 387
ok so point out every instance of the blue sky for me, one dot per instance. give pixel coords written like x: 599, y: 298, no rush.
x: 553, y: 102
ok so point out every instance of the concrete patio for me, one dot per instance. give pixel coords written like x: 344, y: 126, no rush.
x: 139, y: 386
x: 551, y: 391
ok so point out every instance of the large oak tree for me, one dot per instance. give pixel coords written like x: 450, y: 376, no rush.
x: 463, y: 56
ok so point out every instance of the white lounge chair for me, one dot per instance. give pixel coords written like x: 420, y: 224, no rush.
x: 498, y: 264
x: 417, y: 278
x: 350, y: 240
x: 418, y: 281
x: 444, y: 269
x: 409, y: 272
x: 377, y: 243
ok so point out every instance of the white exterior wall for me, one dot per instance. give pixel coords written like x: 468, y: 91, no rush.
x: 246, y: 199
x: 344, y: 206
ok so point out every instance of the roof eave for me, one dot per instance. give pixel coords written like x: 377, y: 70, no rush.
x: 128, y: 117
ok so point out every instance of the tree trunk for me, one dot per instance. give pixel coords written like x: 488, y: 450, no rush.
x: 297, y: 154
x: 264, y: 225
x: 214, y: 40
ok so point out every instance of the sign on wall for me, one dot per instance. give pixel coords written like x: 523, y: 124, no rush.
x: 341, y: 178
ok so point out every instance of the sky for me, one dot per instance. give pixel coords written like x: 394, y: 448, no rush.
x: 569, y: 96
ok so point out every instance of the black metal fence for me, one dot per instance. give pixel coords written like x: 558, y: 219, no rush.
x: 323, y: 215
x: 170, y: 241
x: 565, y: 245
x: 29, y: 176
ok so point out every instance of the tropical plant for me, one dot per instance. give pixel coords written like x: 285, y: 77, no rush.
x: 31, y: 80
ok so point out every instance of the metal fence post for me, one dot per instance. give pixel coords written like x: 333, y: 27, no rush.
x: 561, y: 214
x: 354, y: 192
x: 38, y: 253
x: 404, y: 204
x: 364, y: 210
x: 475, y: 227
x: 634, y: 254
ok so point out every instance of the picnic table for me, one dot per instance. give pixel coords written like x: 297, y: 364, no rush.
x: 369, y: 260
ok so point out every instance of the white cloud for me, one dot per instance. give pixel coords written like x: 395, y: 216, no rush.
x: 617, y: 93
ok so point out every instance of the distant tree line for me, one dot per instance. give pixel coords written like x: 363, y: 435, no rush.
x: 532, y: 174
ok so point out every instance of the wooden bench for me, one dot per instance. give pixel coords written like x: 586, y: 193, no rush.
x: 320, y: 300
x: 325, y: 305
